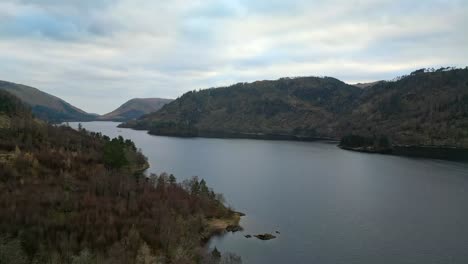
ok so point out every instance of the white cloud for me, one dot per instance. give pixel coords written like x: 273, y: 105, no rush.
x: 98, y: 54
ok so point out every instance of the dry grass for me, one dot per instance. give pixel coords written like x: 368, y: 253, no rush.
x: 218, y: 225
x: 4, y: 121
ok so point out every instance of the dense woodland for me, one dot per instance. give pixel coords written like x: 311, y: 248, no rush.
x: 70, y: 196
x: 426, y: 107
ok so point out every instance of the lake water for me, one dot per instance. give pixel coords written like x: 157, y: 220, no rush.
x: 330, y: 205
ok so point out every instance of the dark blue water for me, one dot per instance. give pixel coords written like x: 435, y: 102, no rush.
x: 330, y: 205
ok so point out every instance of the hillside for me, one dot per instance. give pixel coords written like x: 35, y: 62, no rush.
x: 423, y: 108
x: 367, y: 85
x: 11, y: 107
x: 305, y: 106
x: 44, y: 105
x: 70, y: 196
x: 135, y: 108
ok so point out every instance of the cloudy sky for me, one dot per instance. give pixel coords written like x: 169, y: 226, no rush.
x: 96, y: 54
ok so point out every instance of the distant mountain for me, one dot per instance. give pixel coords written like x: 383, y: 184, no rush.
x: 44, y: 105
x: 366, y: 85
x: 135, y: 108
x: 423, y: 108
x: 10, y: 106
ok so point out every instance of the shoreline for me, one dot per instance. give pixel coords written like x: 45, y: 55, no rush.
x: 419, y: 151
x: 219, y: 226
x: 237, y: 135
x: 415, y: 151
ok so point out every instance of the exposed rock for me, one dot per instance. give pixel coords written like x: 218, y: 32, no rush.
x: 234, y: 228
x: 265, y: 236
x: 221, y: 225
x: 248, y: 236
x: 277, y: 232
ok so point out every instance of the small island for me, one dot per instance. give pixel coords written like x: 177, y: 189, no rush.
x: 265, y: 236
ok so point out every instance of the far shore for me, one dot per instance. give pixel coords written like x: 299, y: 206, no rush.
x: 421, y: 151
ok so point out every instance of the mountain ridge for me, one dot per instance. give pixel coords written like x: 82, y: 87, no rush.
x: 325, y: 107
x: 44, y: 105
x: 135, y: 108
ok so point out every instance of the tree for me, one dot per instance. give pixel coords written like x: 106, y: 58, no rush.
x: 11, y: 252
x: 144, y: 255
x: 114, y: 154
x: 230, y: 258
x: 384, y: 142
x: 85, y: 257
x: 418, y: 71
x: 172, y: 179
x: 194, y: 186
x: 215, y: 253
x: 203, y: 188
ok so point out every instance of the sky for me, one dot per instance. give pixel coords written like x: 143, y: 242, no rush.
x: 97, y: 54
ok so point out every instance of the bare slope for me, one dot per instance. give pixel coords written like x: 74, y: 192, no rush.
x: 44, y: 105
x: 135, y: 108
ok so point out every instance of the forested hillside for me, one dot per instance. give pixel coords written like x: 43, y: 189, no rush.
x: 70, y: 196
x: 423, y: 108
x: 426, y: 107
x: 300, y: 107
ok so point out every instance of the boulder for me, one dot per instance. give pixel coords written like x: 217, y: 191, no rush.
x: 234, y: 228
x: 265, y: 236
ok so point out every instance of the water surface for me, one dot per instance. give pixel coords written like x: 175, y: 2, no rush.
x: 330, y: 205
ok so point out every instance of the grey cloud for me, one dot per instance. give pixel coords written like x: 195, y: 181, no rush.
x: 99, y: 53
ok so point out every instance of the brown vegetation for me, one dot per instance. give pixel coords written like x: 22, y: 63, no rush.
x: 71, y: 196
x: 427, y: 107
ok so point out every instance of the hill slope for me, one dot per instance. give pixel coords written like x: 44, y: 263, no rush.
x: 423, y: 108
x: 304, y: 106
x: 69, y: 196
x: 135, y: 108
x: 44, y: 105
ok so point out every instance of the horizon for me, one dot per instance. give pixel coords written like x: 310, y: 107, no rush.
x: 227, y: 85
x: 97, y: 55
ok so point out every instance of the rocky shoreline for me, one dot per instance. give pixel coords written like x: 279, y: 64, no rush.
x: 218, y: 226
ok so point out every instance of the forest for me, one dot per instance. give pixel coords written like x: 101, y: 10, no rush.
x: 428, y: 107
x: 69, y: 196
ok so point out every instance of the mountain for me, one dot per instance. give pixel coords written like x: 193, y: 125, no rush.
x: 135, y: 108
x: 422, y: 108
x: 288, y: 107
x: 11, y: 107
x: 44, y: 105
x: 366, y: 85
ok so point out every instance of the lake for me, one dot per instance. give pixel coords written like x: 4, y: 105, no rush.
x: 330, y: 205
